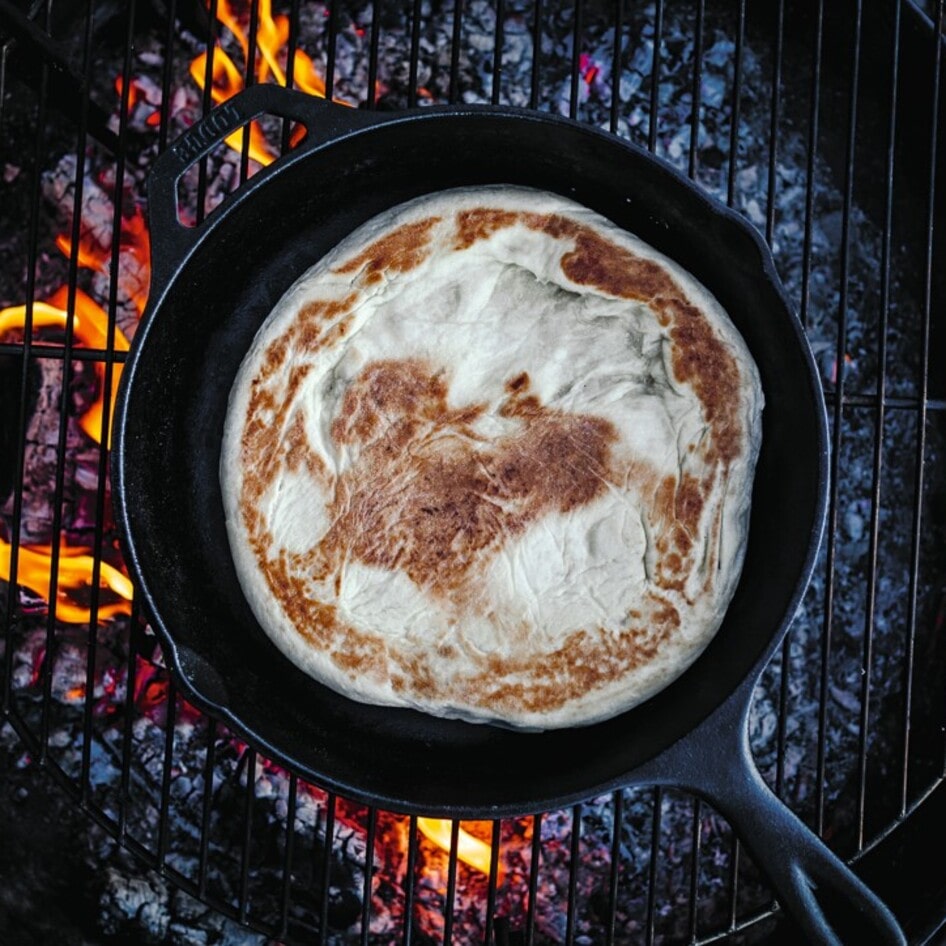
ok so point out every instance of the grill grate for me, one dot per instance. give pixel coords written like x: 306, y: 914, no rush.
x: 847, y: 721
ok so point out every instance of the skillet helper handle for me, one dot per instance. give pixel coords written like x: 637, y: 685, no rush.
x: 824, y: 897
x: 324, y: 121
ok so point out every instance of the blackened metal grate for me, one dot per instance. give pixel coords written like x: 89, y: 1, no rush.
x: 821, y: 121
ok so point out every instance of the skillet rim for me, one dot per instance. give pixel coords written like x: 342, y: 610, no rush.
x: 191, y: 671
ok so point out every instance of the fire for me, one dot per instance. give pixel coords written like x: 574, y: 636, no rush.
x: 74, y: 573
x: 472, y: 851
x: 272, y: 38
x: 134, y: 256
x: 226, y: 82
x: 90, y: 330
x: 139, y: 92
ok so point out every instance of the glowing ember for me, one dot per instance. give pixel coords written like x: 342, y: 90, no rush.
x: 472, y: 851
x: 140, y: 92
x: 74, y: 574
x: 588, y: 68
x: 272, y: 38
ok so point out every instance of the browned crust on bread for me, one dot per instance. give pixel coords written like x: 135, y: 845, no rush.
x: 481, y: 223
x: 437, y: 507
x: 398, y: 252
x: 700, y: 358
x: 428, y: 499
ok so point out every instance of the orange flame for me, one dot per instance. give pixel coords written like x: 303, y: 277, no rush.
x: 138, y: 93
x: 87, y: 256
x: 472, y: 851
x: 226, y: 82
x: 90, y: 330
x: 134, y: 256
x: 34, y: 569
x: 272, y: 38
x: 135, y: 241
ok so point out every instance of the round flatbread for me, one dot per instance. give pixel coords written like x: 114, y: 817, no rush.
x: 492, y: 458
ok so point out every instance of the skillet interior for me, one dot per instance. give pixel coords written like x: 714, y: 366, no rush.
x: 174, y: 401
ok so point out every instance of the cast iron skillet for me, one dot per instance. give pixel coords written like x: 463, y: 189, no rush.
x: 211, y: 288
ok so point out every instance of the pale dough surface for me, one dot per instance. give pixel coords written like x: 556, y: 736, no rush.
x: 492, y: 458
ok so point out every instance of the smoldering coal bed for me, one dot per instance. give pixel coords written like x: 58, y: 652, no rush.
x: 194, y: 836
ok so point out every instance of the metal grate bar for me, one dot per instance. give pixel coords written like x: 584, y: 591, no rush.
x: 734, y: 860
x: 696, y: 842
x: 131, y: 670
x: 895, y: 825
x: 533, y: 878
x: 536, y: 53
x: 327, y: 866
x: 814, y: 117
x: 373, y: 44
x: 415, y: 54
x: 369, y: 873
x: 450, y: 898
x: 410, y: 880
x: 455, y: 51
x: 617, y: 803
x: 616, y: 65
x: 166, y: 75
x: 206, y: 105
x: 331, y: 51
x: 102, y: 468
x: 244, y: 901
x: 889, y: 403
x: 736, y: 103
x: 651, y: 922
x: 166, y: 768
x: 576, y: 60
x: 288, y: 851
x: 832, y: 525
x: 774, y: 119
x: 695, y: 89
x: 207, y: 806
x: 499, y: 43
x: 493, y: 883
x: 60, y: 477
x: 249, y: 78
x: 40, y: 351
x: 783, y: 712
x: 292, y: 45
x: 655, y: 75
x: 574, y: 862
x: 917, y: 525
x: 25, y: 352
x: 785, y: 666
x: 877, y: 467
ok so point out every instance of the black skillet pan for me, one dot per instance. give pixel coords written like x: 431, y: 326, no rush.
x: 211, y: 288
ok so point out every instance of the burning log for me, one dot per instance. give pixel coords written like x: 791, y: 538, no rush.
x: 96, y: 229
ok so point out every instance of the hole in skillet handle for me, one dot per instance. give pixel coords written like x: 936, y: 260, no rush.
x: 249, y: 144
x: 175, y: 223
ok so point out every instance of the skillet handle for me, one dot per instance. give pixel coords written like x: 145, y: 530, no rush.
x: 825, y: 898
x: 324, y: 121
